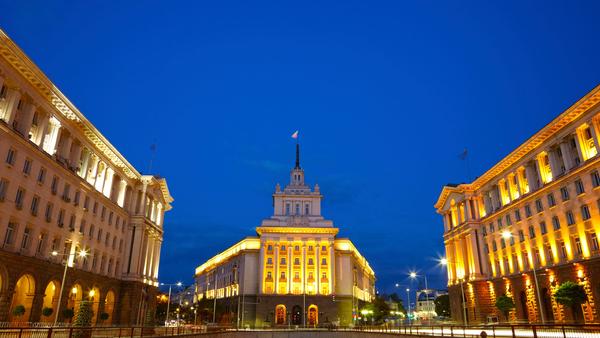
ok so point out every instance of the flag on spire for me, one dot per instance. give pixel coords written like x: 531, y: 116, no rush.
x: 295, y: 135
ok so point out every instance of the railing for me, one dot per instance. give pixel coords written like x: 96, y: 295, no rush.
x: 98, y: 332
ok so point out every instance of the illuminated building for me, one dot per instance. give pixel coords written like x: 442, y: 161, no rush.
x: 296, y: 265
x: 538, y: 208
x: 65, y: 188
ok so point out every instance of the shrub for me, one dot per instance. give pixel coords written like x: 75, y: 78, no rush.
x: 18, y: 310
x: 505, y: 303
x: 68, y: 313
x: 47, y: 311
x: 104, y: 316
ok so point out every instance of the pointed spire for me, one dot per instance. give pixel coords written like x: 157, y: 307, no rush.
x: 297, y: 156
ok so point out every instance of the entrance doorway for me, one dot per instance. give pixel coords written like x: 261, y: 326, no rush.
x: 22, y: 300
x: 280, y: 314
x: 313, y: 315
x: 297, y: 315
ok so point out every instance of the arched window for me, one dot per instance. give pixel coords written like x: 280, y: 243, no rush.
x: 280, y: 314
x: 310, y: 261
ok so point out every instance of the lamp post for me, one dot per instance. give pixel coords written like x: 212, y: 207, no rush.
x: 178, y: 284
x: 408, y: 300
x: 445, y: 263
x: 82, y: 254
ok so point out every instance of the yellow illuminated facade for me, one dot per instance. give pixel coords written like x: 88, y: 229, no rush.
x: 295, y: 272
x: 538, y: 208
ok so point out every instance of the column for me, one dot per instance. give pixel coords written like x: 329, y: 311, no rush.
x: 43, y: 128
x: 318, y: 267
x: 303, y: 266
x: 532, y: 176
x: 331, y: 262
x: 593, y: 132
x: 157, y: 258
x: 121, y: 195
x: 26, y: 119
x: 446, y: 224
x: 13, y: 95
x: 451, y: 266
x: 289, y: 264
x: 467, y: 210
x: 276, y: 247
x: 65, y: 148
x: 261, y: 267
x: 566, y: 155
x: 495, y: 198
x: 75, y: 155
x: 555, y: 166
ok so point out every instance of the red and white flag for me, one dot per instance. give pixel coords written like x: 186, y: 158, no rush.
x: 295, y: 135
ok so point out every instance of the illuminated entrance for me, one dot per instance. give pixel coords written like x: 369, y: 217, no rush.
x: 280, y: 314
x: 20, y: 306
x: 313, y: 315
x: 50, y: 301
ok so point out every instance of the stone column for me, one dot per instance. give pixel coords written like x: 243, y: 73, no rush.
x: 555, y: 166
x: 276, y: 247
x: 261, y: 267
x: 65, y: 148
x: 37, y: 303
x: 303, y: 266
x: 13, y: 95
x: 157, y: 259
x: 318, y: 267
x: 467, y: 210
x: 289, y: 264
x: 26, y: 119
x: 451, y: 266
x: 593, y: 132
x: 566, y: 155
x: 331, y: 262
x: 532, y: 176
x: 43, y: 128
x: 75, y: 155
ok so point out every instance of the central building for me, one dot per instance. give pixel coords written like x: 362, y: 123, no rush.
x: 295, y: 272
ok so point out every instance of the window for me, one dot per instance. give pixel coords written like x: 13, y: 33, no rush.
x: 103, y: 213
x: 570, y: 218
x: 41, y: 243
x: 543, y: 229
x: 310, y: 261
x: 72, y: 223
x: 269, y: 248
x: 502, y: 243
x: 555, y: 223
x: 484, y: 231
x: 531, y: 232
x: 551, y: 200
x: 499, y: 223
x: 521, y: 236
x: 563, y: 250
x: 10, y: 233
x: 27, y: 166
x: 579, y: 187
x: 11, y: 156
x: 66, y: 193
x: 538, y: 205
x: 107, y: 238
x: 120, y: 245
x: 486, y: 248
x: 35, y: 201
x: 95, y: 208
x: 269, y: 261
x: 297, y: 209
x: 3, y: 189
x: 595, y: 178
x: 91, y: 233
x: 310, y: 248
x: 578, y: 249
x: 19, y: 198
x: 494, y: 246
x: 296, y: 261
x: 306, y: 209
x: 82, y: 226
x: 518, y: 215
x: 48, y: 213
x: 86, y: 203
x: 527, y: 210
x: 76, y: 198
x: 287, y: 209
x: 54, y: 185
x: 26, y: 239
x: 585, y: 212
x: 41, y: 176
x: 99, y: 238
x: 110, y: 220
x: 564, y: 193
x: 594, y: 241
x: 282, y: 261
x: 508, y: 220
x: 61, y: 218
x: 323, y: 248
x: 324, y: 261
x: 491, y: 227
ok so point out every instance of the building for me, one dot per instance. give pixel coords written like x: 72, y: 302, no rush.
x: 65, y: 189
x: 536, y: 210
x: 425, y: 307
x: 295, y: 272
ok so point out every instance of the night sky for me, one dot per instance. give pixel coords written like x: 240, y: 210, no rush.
x: 386, y: 96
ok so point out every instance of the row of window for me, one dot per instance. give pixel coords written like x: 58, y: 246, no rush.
x: 42, y: 250
x: 296, y: 248
x: 66, y: 194
x: 282, y: 261
x: 282, y: 275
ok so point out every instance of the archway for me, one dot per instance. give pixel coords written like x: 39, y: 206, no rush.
x: 94, y: 298
x: 75, y: 297
x: 547, y: 305
x: 109, y: 306
x: 313, y: 315
x: 297, y: 315
x: 523, y: 301
x: 50, y: 301
x: 280, y: 314
x: 22, y: 299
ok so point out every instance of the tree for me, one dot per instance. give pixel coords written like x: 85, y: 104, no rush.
x: 83, y: 320
x: 396, y: 299
x: 505, y: 303
x: 572, y: 295
x: 442, y: 305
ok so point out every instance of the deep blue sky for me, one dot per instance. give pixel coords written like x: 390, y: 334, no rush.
x: 385, y: 94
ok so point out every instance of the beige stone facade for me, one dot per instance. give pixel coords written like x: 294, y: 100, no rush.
x: 65, y: 188
x: 296, y: 272
x: 538, y: 209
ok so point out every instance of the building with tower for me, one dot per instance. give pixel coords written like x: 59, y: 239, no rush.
x: 67, y: 196
x: 529, y: 224
x: 296, y: 271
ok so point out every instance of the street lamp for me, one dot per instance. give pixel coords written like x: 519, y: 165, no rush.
x: 508, y: 235
x: 408, y: 299
x: 178, y: 284
x: 445, y: 262
x: 81, y: 254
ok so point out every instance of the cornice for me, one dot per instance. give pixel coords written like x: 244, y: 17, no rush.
x: 296, y: 230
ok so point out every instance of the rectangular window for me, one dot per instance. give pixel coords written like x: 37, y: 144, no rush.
x: 518, y: 215
x: 595, y: 178
x: 578, y: 249
x: 26, y: 239
x: 54, y: 185
x: 76, y: 198
x: 72, y: 223
x: 3, y: 189
x: 86, y: 203
x: 110, y: 220
x: 579, y: 187
x: 508, y: 220
x: 61, y: 218
x: 484, y: 231
x: 11, y: 156
x: 527, y: 210
x: 555, y: 223
x: 9, y: 237
x: 491, y: 227
x: 27, y: 166
x: 95, y: 209
x: 99, y: 238
x: 91, y: 233
x: 531, y: 232
x: 48, y: 213
x: 551, y: 201
x: 570, y: 218
x: 538, y: 205
x: 494, y: 246
x: 502, y: 243
x: 499, y: 223
x: 35, y: 201
x: 521, y: 236
x: 19, y: 198
x: 41, y: 175
x: 543, y: 229
x: 82, y: 227
x: 66, y: 196
x: 564, y: 193
x: 41, y: 243
x: 103, y: 213
x: 594, y: 241
x: 585, y: 212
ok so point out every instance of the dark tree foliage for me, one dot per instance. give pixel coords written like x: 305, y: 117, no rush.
x: 572, y: 295
x: 505, y: 303
x: 442, y: 305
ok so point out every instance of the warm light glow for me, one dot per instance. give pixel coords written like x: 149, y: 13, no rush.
x: 580, y: 273
x: 82, y: 253
x: 506, y: 234
x: 92, y: 293
x: 443, y: 261
x: 74, y: 290
x: 413, y: 275
x: 179, y: 284
x: 54, y: 253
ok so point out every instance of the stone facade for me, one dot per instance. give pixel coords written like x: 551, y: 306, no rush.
x: 537, y: 210
x: 68, y: 197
